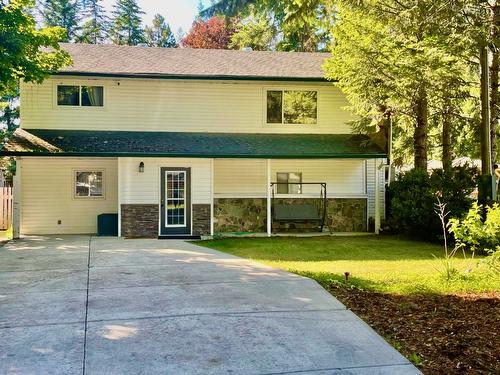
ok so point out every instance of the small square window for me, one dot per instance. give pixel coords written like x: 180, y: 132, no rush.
x: 289, y: 183
x: 89, y: 184
x: 68, y: 95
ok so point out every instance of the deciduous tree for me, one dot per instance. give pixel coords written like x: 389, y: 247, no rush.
x: 215, y: 33
x: 23, y: 47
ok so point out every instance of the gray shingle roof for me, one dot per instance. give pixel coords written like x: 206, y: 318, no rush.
x: 116, y: 60
x: 178, y: 144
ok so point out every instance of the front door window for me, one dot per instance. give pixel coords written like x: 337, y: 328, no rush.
x: 176, y: 198
x: 175, y: 211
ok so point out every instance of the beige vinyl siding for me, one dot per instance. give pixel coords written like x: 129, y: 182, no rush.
x: 177, y: 105
x: 246, y: 177
x: 240, y: 177
x: 144, y: 188
x: 47, y: 195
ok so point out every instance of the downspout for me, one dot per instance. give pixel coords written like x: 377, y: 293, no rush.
x: 212, y: 183
x: 377, y: 198
x: 268, y: 180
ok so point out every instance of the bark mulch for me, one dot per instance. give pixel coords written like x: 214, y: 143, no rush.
x: 442, y: 334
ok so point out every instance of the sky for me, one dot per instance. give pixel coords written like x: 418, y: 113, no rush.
x: 178, y: 13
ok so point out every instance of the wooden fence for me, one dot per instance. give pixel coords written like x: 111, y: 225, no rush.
x: 5, y: 207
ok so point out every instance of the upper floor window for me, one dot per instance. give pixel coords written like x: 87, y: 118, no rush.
x: 80, y: 96
x: 298, y: 107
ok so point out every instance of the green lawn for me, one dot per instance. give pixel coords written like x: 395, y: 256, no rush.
x: 6, y: 234
x: 378, y: 263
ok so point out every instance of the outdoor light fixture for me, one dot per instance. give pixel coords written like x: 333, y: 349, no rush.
x: 141, y: 167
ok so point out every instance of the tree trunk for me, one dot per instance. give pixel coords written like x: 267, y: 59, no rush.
x: 494, y: 84
x: 421, y: 110
x: 494, y: 103
x: 447, y: 154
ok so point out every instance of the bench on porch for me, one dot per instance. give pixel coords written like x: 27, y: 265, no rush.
x: 298, y: 213
x: 301, y: 212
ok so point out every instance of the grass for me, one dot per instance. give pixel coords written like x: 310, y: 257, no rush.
x: 384, y: 264
x: 6, y: 234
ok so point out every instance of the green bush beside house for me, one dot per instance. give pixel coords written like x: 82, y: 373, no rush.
x: 413, y: 196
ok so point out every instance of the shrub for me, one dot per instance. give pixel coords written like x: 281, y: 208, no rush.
x: 412, y: 199
x: 474, y: 234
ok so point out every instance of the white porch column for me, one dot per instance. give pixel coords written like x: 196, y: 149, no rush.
x: 212, y: 197
x: 377, y: 198
x: 269, y: 218
x: 16, y: 209
x: 119, y: 197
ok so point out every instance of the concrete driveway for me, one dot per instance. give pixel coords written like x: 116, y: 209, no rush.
x: 93, y: 305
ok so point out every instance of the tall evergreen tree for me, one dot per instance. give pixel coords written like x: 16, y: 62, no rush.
x: 95, y: 29
x: 126, y: 28
x: 159, y: 34
x: 63, y: 13
x: 406, y: 58
x: 303, y: 25
x: 200, y: 9
x: 256, y: 32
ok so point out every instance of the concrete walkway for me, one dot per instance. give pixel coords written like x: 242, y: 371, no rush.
x: 81, y: 304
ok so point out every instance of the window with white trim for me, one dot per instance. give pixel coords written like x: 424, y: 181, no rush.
x: 289, y: 183
x: 80, y: 96
x: 89, y: 184
x: 294, y: 107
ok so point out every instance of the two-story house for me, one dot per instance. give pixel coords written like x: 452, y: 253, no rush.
x: 190, y: 142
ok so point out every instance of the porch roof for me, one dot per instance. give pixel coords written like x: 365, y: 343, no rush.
x: 42, y: 142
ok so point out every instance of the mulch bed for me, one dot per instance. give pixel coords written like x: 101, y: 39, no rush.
x: 451, y: 334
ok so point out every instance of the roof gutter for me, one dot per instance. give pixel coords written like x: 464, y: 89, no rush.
x: 192, y: 76
x: 191, y: 155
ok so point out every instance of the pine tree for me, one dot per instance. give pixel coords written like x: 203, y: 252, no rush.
x: 95, y: 29
x: 160, y: 34
x: 127, y: 21
x: 63, y: 13
x: 200, y: 9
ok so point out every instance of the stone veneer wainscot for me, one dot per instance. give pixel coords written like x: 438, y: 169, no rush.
x: 249, y: 215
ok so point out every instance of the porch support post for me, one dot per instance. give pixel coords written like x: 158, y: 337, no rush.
x: 119, y: 197
x: 377, y: 198
x: 269, y: 219
x: 16, y: 201
x: 212, y: 197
